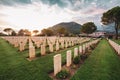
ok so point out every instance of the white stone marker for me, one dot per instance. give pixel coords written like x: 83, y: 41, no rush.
x: 42, y: 49
x: 31, y: 52
x: 62, y: 44
x: 57, y: 63
x: 16, y: 44
x: 51, y: 47
x: 119, y: 50
x: 66, y: 44
x: 57, y: 46
x: 75, y: 52
x: 80, y: 49
x: 21, y: 48
x: 68, y: 58
x: 83, y: 49
x: 37, y: 44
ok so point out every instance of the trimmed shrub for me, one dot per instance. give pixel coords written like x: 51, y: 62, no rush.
x: 63, y: 74
x: 83, y: 56
x: 76, y: 60
x: 92, y: 47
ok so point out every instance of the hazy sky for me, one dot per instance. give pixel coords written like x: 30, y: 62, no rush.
x: 39, y: 14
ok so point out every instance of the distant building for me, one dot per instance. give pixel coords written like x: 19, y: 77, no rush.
x: 98, y: 34
x: 110, y: 35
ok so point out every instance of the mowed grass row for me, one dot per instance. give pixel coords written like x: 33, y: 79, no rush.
x: 15, y: 66
x: 117, y: 41
x: 102, y: 64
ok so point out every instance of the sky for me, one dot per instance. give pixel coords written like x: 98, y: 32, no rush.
x: 39, y: 14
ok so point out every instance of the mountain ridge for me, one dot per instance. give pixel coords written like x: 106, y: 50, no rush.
x: 71, y: 27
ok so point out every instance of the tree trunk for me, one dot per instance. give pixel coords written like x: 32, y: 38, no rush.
x: 116, y: 30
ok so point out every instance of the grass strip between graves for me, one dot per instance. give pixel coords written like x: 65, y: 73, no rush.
x: 102, y: 64
x: 117, y: 41
x: 15, y: 66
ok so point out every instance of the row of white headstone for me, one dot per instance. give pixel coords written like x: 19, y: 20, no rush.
x: 115, y: 46
x: 43, y: 47
x: 50, y: 41
x: 68, y: 41
x: 62, y: 42
x: 57, y: 58
x: 17, y: 41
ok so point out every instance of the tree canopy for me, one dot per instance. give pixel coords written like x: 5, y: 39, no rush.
x: 35, y: 32
x: 8, y: 30
x: 24, y: 32
x: 13, y: 33
x: 62, y: 31
x: 112, y: 16
x: 47, y: 32
x: 88, y: 28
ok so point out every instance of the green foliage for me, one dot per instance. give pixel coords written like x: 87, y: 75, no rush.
x: 117, y: 41
x: 63, y: 74
x: 13, y: 33
x: 21, y: 32
x: 112, y: 15
x: 61, y: 30
x: 76, y: 60
x: 47, y: 32
x: 35, y: 32
x: 88, y: 28
x: 8, y: 30
x: 2, y: 34
x: 83, y: 56
x: 24, y: 32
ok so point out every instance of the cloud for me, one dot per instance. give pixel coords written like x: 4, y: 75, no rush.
x: 93, y: 11
x: 39, y: 14
x: 34, y: 16
x: 14, y: 2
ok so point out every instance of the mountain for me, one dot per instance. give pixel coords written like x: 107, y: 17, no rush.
x: 71, y: 27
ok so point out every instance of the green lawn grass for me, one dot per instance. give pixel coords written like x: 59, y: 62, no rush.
x: 15, y: 66
x: 102, y: 64
x: 117, y: 41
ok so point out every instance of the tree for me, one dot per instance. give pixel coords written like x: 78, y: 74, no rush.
x: 24, y: 32
x: 8, y: 30
x: 13, y: 33
x: 2, y: 34
x: 35, y: 32
x: 47, y: 32
x: 62, y: 31
x: 112, y: 16
x: 88, y: 28
x: 27, y: 32
x: 21, y: 32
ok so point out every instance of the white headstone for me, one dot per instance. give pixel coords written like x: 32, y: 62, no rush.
x: 43, y: 50
x: 83, y: 49
x: 57, y: 46
x: 66, y: 44
x: 57, y: 63
x: 80, y: 49
x: 31, y: 52
x: 51, y: 47
x: 75, y: 52
x: 69, y: 58
x: 62, y: 44
x: 119, y: 50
